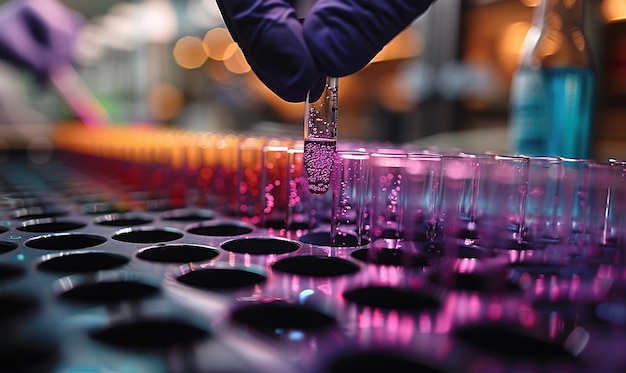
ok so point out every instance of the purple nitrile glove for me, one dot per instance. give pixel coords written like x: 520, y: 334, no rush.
x: 337, y: 38
x: 38, y: 35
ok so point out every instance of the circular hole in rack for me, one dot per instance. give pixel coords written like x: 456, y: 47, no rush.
x: 65, y: 241
x: 221, y: 278
x: 363, y: 361
x: 323, y: 239
x: 28, y: 356
x: 177, y: 253
x: 220, y: 228
x: 393, y: 258
x: 10, y: 271
x: 495, y: 282
x: 278, y: 315
x: 49, y: 225
x: 510, y: 341
x: 154, y: 333
x: 148, y: 235
x: 108, y: 291
x: 316, y: 265
x: 82, y: 262
x: 122, y: 220
x: 188, y: 215
x: 16, y: 304
x: 260, y: 246
x: 39, y: 212
x: 3, y: 229
x: 392, y: 298
x: 6, y: 246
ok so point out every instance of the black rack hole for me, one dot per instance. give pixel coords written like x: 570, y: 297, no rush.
x: 153, y: 235
x: 510, y: 341
x: 221, y: 278
x: 10, y: 271
x: 178, y: 253
x: 6, y: 246
x: 323, y: 239
x: 149, y: 334
x: 363, y: 361
x: 221, y: 229
x: 281, y: 315
x: 109, y: 291
x: 16, y: 304
x: 392, y: 298
x: 394, y: 258
x: 316, y: 265
x: 28, y: 356
x: 37, y: 226
x: 260, y: 246
x: 83, y: 262
x: 65, y: 241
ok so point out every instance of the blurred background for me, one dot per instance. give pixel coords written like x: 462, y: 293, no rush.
x: 443, y: 81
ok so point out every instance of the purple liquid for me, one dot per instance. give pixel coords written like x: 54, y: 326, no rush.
x: 319, y: 156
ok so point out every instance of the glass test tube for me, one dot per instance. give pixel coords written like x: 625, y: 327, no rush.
x: 503, y: 182
x: 605, y: 187
x: 456, y: 201
x: 541, y: 223
x: 387, y: 203
x: 350, y: 191
x: 249, y: 179
x: 275, y: 185
x: 300, y: 212
x: 320, y: 136
x: 423, y: 172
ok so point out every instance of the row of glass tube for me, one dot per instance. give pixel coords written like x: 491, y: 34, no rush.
x: 387, y: 197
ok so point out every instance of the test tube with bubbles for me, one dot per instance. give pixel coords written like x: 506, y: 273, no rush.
x: 300, y: 212
x: 320, y: 136
x: 350, y: 190
x: 275, y: 186
x: 387, y: 204
x: 250, y: 168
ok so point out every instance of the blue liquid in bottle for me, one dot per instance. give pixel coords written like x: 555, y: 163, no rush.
x: 570, y: 94
x: 551, y: 111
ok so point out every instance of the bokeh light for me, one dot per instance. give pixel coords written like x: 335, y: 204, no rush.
x: 216, y: 43
x: 189, y: 52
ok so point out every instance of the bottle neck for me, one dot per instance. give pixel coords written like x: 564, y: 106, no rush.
x: 556, y: 37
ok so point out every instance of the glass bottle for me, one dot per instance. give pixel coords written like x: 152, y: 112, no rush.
x: 552, y: 92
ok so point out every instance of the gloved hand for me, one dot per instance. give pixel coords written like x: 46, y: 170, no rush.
x: 38, y: 35
x: 337, y: 38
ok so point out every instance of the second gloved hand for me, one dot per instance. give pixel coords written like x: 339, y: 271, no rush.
x: 337, y: 38
x: 38, y: 35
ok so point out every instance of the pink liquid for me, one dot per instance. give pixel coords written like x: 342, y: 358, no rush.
x: 319, y: 156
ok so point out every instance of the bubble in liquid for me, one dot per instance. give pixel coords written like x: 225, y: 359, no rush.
x: 319, y: 156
